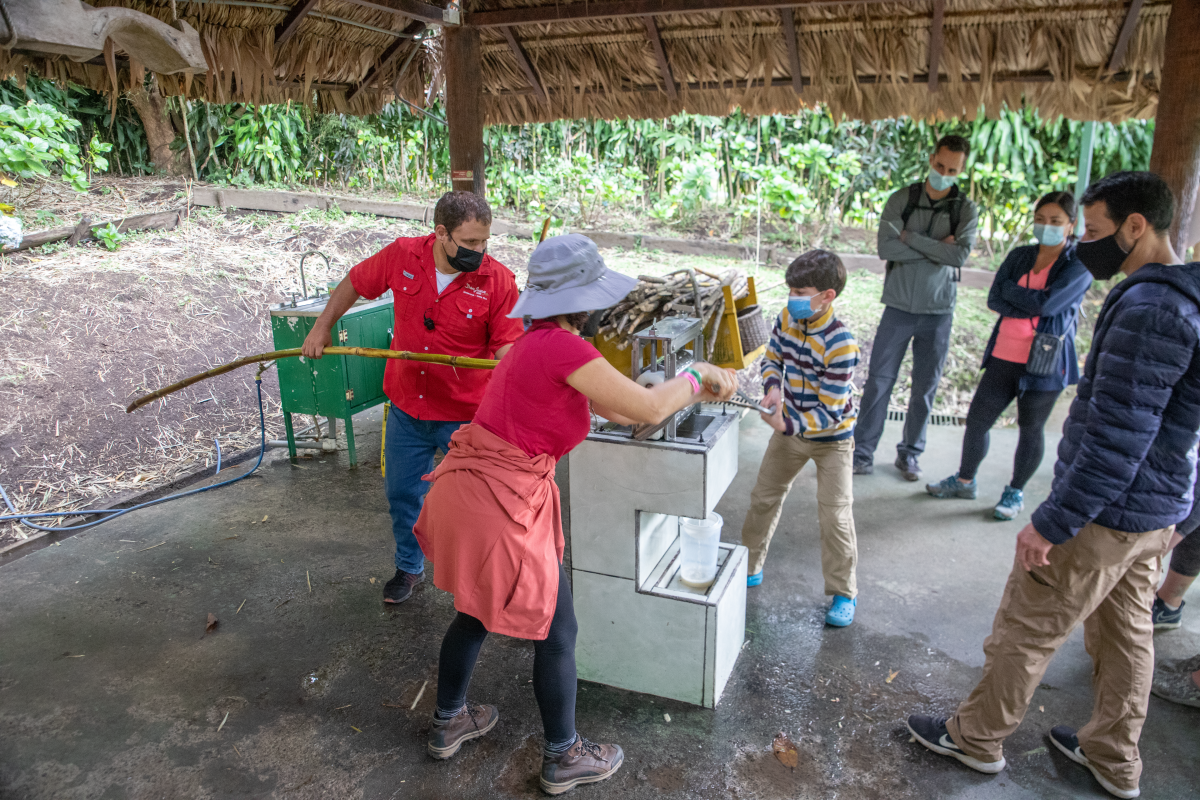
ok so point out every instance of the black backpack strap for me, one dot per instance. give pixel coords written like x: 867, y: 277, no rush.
x: 956, y: 205
x: 914, y: 198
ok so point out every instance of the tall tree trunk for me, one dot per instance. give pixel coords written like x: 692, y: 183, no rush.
x: 151, y: 106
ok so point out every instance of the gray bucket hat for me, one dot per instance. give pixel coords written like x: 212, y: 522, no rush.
x: 566, y: 276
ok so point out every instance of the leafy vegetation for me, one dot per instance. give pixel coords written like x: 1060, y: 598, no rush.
x: 111, y: 237
x: 34, y: 139
x: 128, y: 153
x: 797, y: 179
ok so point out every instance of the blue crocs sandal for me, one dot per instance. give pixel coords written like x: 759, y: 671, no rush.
x: 841, y: 611
x: 755, y: 579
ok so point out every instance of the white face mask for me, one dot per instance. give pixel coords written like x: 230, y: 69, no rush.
x: 940, y: 182
x: 1050, y: 235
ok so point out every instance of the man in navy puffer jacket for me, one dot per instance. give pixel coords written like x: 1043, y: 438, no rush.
x: 1124, y: 477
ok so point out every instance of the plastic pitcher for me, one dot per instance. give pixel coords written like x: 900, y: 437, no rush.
x: 698, y: 539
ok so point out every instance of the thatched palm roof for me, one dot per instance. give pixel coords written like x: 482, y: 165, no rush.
x: 549, y: 59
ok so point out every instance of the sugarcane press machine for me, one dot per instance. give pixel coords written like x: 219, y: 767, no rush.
x: 640, y: 627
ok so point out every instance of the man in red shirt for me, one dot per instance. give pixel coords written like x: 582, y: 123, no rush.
x: 449, y: 297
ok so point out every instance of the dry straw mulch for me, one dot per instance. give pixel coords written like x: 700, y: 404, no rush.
x: 84, y: 330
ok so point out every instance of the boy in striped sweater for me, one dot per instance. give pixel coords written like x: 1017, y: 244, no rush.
x: 809, y: 364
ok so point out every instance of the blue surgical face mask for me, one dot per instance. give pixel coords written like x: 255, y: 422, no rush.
x: 940, y: 182
x: 1049, y: 235
x: 799, y: 307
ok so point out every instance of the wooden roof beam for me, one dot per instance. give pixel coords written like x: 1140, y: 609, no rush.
x: 424, y: 12
x: 937, y: 40
x: 788, y: 17
x: 1122, y: 45
x: 635, y: 8
x: 287, y: 29
x: 524, y: 63
x: 660, y: 55
x: 386, y: 59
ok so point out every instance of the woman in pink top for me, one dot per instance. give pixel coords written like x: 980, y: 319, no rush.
x: 491, y: 524
x: 1037, y: 290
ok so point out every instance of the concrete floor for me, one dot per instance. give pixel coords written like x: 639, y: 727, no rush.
x: 311, y: 688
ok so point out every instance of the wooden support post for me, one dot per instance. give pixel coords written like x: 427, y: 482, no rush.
x: 524, y: 63
x: 291, y: 23
x: 1122, y: 44
x: 464, y: 107
x: 660, y: 55
x: 787, y: 16
x: 1176, y: 153
x: 937, y: 39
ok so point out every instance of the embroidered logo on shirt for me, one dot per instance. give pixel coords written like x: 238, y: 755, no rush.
x: 407, y: 274
x: 475, y: 291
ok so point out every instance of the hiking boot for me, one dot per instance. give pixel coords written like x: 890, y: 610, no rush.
x: 583, y: 762
x: 909, y: 469
x: 447, y: 735
x: 400, y: 587
x: 1173, y: 682
x: 1164, y: 618
x: 863, y: 468
x: 953, y: 487
x: 932, y: 734
x: 1011, y: 503
x: 1064, y: 739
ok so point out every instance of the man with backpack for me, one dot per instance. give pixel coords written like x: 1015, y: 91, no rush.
x: 926, y: 232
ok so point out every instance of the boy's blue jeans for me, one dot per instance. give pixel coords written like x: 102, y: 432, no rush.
x: 409, y: 448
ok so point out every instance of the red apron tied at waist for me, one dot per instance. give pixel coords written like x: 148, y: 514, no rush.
x: 492, y: 526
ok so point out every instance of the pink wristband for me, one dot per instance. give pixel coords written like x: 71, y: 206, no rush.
x: 691, y: 378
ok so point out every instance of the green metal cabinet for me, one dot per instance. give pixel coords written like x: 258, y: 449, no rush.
x: 337, y: 387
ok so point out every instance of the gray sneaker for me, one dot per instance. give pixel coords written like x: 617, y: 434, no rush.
x: 401, y: 586
x: 1173, y: 682
x: 953, y: 487
x: 863, y: 468
x: 909, y: 469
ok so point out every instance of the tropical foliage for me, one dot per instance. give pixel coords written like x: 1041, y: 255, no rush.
x: 797, y: 178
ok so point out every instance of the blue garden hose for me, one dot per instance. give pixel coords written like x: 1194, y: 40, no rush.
x: 113, y: 513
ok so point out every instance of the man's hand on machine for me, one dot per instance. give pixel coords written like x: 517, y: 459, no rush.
x: 317, y: 340
x: 773, y: 402
x: 717, y: 383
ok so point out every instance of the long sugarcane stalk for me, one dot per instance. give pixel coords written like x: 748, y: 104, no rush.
x: 366, y: 352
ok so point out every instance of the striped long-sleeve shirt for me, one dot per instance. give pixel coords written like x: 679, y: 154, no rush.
x: 813, y: 360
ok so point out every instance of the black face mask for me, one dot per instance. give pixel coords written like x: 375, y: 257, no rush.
x: 1103, y: 257
x: 465, y: 260
x: 592, y: 326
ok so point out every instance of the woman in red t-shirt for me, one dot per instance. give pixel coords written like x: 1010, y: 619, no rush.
x: 491, y: 524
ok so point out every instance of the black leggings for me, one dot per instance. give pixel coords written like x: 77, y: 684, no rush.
x: 554, y: 683
x: 1185, y: 558
x: 1001, y: 382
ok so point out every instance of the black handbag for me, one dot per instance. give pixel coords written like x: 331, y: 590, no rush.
x: 1044, y: 353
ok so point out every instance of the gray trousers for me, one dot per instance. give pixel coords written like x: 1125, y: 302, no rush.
x: 930, y: 337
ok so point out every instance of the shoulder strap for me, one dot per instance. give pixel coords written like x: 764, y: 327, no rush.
x: 914, y: 197
x: 956, y: 205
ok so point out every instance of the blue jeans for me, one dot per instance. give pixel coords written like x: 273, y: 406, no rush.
x: 408, y: 454
x: 930, y: 337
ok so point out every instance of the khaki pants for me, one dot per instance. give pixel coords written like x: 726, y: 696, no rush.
x: 1106, y: 579
x: 785, y: 457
